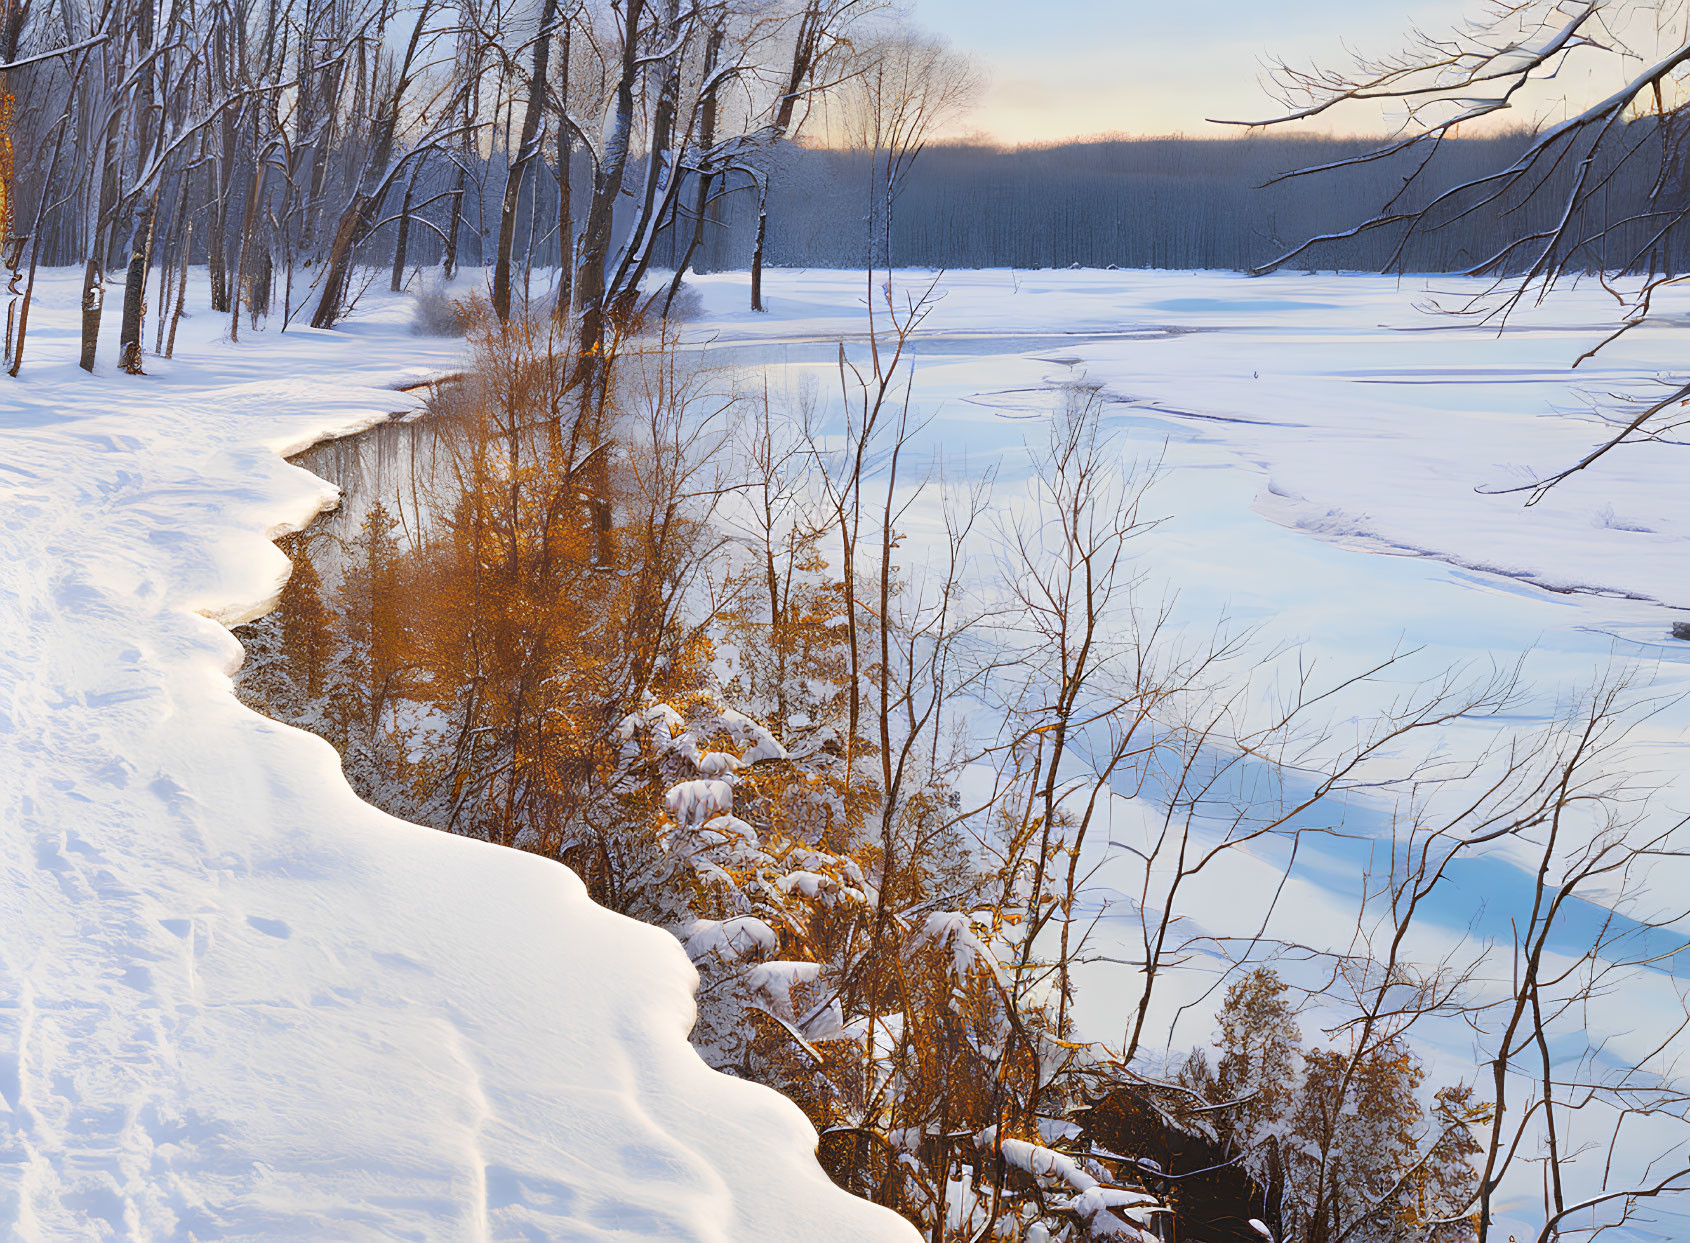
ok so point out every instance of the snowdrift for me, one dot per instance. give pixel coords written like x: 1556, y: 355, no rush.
x: 237, y: 1002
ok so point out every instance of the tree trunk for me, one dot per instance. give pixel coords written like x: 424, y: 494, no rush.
x: 339, y: 267
x: 607, y: 186
x: 565, y: 205
x: 662, y: 157
x: 216, y: 245
x: 566, y: 240
x: 706, y: 174
x: 135, y: 292
x: 810, y: 28
x: 258, y: 300
x: 659, y: 146
x: 247, y: 224
x: 519, y: 164
x: 757, y: 251
x: 168, y: 261
x: 181, y: 292
x: 373, y: 183
x: 15, y: 354
x: 93, y: 275
x: 528, y: 248
x: 91, y: 295
x: 11, y: 246
x: 684, y: 261
x: 454, y: 223
x: 397, y: 281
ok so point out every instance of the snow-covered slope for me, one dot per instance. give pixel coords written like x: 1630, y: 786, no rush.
x: 236, y: 1002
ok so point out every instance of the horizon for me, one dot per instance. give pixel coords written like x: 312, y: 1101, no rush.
x: 981, y: 141
x: 1139, y: 63
x: 1145, y: 75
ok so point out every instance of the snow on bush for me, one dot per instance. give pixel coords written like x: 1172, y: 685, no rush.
x: 693, y: 802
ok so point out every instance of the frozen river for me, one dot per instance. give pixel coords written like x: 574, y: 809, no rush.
x: 1333, y: 455
x: 1337, y: 460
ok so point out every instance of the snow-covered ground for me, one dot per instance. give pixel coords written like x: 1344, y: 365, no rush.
x: 1330, y: 452
x: 1363, y: 418
x: 1334, y: 459
x: 235, y: 1002
x: 1330, y: 457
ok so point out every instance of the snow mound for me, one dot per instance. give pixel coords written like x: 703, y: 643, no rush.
x: 694, y: 802
x: 235, y: 1001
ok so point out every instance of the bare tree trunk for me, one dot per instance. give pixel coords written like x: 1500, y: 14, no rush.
x: 11, y: 245
x: 248, y: 220
x: 181, y: 291
x: 607, y: 186
x: 16, y: 348
x: 168, y: 261
x: 528, y: 248
x: 455, y: 204
x: 683, y: 262
x: 93, y: 275
x: 706, y: 172
x: 396, y: 282
x: 757, y: 251
x: 259, y: 295
x: 373, y: 182
x: 454, y: 224
x: 812, y: 25
x: 662, y: 156
x: 565, y: 205
x: 519, y: 163
x: 91, y: 296
x: 135, y: 292
x: 216, y: 245
x: 339, y: 266
x: 217, y: 265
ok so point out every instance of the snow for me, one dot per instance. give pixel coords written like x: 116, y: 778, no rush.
x: 729, y: 940
x: 713, y: 764
x: 955, y: 930
x: 771, y: 983
x: 764, y: 745
x: 1331, y: 455
x: 1334, y: 466
x: 1094, y: 1203
x: 694, y: 802
x: 234, y: 1000
x: 1361, y: 417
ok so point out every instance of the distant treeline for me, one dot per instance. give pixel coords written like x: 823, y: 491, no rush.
x: 1133, y: 203
x: 1178, y: 203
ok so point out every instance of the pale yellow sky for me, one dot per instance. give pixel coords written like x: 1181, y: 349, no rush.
x: 1071, y: 68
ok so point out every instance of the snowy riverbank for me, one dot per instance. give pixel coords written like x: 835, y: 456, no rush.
x: 234, y: 1000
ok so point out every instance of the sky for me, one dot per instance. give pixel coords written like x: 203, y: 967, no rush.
x: 1069, y: 68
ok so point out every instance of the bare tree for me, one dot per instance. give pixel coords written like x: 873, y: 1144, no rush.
x: 903, y: 88
x: 384, y: 162
x: 1557, y: 195
x: 528, y: 147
